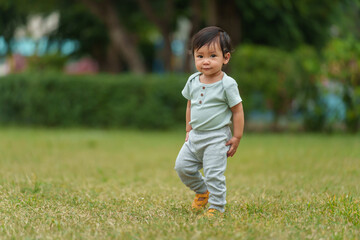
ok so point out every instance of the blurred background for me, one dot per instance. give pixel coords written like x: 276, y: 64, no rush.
x: 124, y: 63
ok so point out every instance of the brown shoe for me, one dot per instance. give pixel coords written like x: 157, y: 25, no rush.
x: 213, y: 213
x: 200, y: 201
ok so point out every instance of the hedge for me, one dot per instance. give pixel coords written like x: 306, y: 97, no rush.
x: 269, y: 80
x: 149, y: 101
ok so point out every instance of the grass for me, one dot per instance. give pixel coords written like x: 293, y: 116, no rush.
x: 120, y: 184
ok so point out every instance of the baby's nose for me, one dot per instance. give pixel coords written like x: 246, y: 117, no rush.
x: 206, y: 60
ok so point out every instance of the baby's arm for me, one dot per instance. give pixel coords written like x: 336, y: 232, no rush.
x: 238, y: 120
x: 188, y: 126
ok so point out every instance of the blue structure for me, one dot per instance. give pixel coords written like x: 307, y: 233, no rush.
x: 28, y: 47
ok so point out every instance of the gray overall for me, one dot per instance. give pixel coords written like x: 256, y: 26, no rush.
x: 207, y: 150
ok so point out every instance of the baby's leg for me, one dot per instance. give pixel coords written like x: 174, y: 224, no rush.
x: 187, y: 167
x: 215, y: 160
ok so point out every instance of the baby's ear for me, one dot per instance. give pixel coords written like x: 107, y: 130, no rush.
x: 227, y: 57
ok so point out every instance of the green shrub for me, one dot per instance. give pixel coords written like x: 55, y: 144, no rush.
x: 54, y: 62
x: 308, y: 93
x: 287, y: 82
x: 269, y: 71
x: 149, y: 101
x: 342, y: 63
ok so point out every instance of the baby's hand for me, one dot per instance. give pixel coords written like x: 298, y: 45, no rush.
x: 187, y: 136
x: 234, y: 142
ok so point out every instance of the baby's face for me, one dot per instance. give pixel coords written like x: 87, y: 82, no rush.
x: 209, y: 59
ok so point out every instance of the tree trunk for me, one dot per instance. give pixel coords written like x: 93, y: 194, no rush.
x: 228, y: 18
x: 225, y: 14
x: 163, y: 24
x: 167, y: 51
x: 119, y: 37
x: 212, y: 13
x: 113, y: 62
x: 196, y: 12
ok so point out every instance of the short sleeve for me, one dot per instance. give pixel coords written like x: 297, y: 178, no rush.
x: 233, y: 95
x: 186, y: 91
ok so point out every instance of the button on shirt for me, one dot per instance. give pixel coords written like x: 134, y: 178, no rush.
x: 211, y: 103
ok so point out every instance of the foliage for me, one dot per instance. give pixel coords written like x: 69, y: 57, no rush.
x: 279, y: 23
x: 49, y: 62
x: 342, y: 64
x: 288, y: 24
x: 10, y: 18
x: 120, y: 184
x: 78, y: 24
x: 269, y: 71
x: 301, y: 80
x: 100, y: 101
x: 308, y: 94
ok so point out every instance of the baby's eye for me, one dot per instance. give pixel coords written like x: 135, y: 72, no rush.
x: 213, y: 55
x: 199, y: 56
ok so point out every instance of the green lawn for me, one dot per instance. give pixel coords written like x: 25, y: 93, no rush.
x: 120, y: 184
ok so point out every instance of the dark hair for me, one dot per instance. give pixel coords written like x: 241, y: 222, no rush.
x: 210, y: 35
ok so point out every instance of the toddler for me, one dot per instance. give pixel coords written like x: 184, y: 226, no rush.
x: 214, y: 103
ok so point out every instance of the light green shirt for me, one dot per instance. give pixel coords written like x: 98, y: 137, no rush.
x: 211, y: 103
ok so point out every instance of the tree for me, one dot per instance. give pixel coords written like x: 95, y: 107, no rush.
x: 10, y: 18
x: 120, y: 30
x: 288, y: 24
x: 164, y: 22
x: 225, y: 14
x: 119, y: 36
x: 90, y: 32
